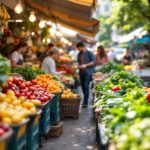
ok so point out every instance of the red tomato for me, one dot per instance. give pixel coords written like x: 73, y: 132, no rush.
x: 116, y: 88
x: 148, y: 96
x: 33, y: 81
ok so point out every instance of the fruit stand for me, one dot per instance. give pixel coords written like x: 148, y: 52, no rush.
x: 38, y: 99
x: 121, y: 108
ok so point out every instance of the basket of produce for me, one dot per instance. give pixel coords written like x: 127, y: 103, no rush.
x: 5, y: 135
x: 69, y: 104
x: 33, y: 133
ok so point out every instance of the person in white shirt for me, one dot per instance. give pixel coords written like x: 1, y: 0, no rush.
x: 17, y: 55
x: 48, y: 64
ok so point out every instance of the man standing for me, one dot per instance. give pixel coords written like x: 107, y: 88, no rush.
x: 86, y: 68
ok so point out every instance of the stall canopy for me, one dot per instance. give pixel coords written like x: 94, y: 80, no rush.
x: 72, y: 14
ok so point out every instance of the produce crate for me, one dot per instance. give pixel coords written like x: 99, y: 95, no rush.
x: 5, y: 139
x: 56, y: 130
x: 19, y: 140
x: 70, y: 107
x: 55, y: 109
x: 45, y: 121
x: 33, y: 134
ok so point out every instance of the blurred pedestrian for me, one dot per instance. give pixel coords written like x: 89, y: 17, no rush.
x: 101, y: 56
x: 127, y: 57
x: 44, y: 54
x: 17, y: 56
x: 48, y: 64
x: 86, y: 61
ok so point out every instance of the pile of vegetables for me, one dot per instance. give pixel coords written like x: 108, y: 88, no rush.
x: 111, y: 67
x: 4, y: 69
x: 27, y: 72
x: 124, y: 105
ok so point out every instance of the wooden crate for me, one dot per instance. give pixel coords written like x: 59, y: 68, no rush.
x: 56, y: 130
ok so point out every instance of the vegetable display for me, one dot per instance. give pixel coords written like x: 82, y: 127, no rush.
x: 28, y: 73
x: 111, y: 67
x: 124, y: 105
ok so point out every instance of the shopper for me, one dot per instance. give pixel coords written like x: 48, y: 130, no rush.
x: 48, y: 64
x: 17, y: 56
x: 101, y: 56
x: 44, y: 54
x: 86, y: 61
x: 127, y: 58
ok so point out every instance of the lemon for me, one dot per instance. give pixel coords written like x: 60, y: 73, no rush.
x: 6, y: 120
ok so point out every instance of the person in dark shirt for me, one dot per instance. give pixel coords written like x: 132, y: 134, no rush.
x: 44, y: 54
x: 86, y: 61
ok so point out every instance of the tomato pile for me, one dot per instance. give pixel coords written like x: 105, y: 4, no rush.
x: 28, y: 89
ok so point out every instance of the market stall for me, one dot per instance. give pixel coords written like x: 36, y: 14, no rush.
x: 121, y: 105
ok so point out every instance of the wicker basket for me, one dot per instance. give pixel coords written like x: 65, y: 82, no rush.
x: 56, y: 130
x: 69, y: 107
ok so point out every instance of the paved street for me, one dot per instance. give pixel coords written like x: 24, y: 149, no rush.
x: 78, y: 134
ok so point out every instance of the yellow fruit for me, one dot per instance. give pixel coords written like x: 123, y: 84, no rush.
x: 22, y: 98
x: 2, y: 96
x: 7, y: 99
x: 10, y: 93
x: 36, y: 102
x: 32, y: 111
x: 6, y: 120
x: 16, y: 103
x: 27, y: 105
x: 17, y: 119
x: 3, y: 113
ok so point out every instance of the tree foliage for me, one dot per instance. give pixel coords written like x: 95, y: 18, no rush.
x: 105, y: 32
x: 130, y: 14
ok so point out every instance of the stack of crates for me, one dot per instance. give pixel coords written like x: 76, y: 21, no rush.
x: 33, y: 133
x: 55, y: 109
x: 19, y: 140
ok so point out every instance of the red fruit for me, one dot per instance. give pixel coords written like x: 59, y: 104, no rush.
x: 32, y: 97
x: 5, y: 127
x: 17, y: 93
x: 33, y: 81
x: 148, y: 96
x: 116, y: 88
x: 2, y: 132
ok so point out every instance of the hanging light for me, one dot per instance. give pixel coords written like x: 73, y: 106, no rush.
x: 32, y: 17
x: 42, y: 24
x: 19, y: 7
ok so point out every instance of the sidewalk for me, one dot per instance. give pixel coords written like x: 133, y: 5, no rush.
x: 78, y: 134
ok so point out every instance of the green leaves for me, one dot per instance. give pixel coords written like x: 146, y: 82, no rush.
x: 28, y: 73
x: 4, y: 69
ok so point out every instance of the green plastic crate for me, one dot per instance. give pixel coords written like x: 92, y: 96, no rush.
x: 19, y: 140
x: 45, y: 120
x: 55, y: 109
x: 33, y: 133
